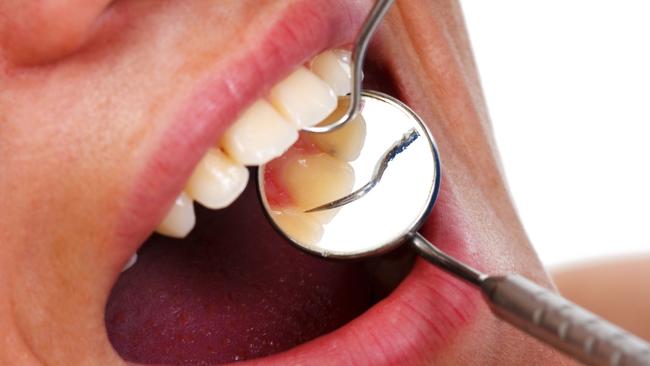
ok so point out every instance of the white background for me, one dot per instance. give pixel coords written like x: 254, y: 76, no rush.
x: 568, y: 88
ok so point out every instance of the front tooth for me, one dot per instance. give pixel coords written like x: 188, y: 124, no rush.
x: 259, y: 135
x: 131, y: 262
x: 217, y: 180
x: 334, y: 68
x: 303, y: 98
x: 315, y: 179
x: 346, y: 142
x: 298, y: 225
x: 180, y: 219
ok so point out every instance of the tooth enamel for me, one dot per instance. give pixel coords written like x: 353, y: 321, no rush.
x: 315, y: 179
x: 131, y: 262
x: 264, y: 132
x: 298, y: 225
x: 303, y: 98
x: 259, y: 135
x: 217, y: 180
x: 346, y: 142
x: 180, y: 219
x: 334, y: 68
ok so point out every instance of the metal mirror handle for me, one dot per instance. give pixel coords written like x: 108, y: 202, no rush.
x: 546, y: 315
x: 563, y: 324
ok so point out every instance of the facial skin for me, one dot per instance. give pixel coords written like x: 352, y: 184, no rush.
x: 88, y: 98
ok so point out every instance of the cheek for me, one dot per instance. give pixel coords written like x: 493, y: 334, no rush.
x: 39, y: 31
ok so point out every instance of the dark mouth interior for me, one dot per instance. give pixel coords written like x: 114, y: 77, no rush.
x: 234, y: 289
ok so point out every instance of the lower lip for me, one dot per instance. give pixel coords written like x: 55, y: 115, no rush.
x: 418, y: 320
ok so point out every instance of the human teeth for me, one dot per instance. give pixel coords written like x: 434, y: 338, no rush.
x: 334, y: 68
x: 346, y: 142
x: 267, y: 129
x: 315, y: 179
x: 217, y: 180
x: 259, y: 135
x: 131, y: 262
x: 180, y: 219
x: 298, y: 225
x: 303, y: 98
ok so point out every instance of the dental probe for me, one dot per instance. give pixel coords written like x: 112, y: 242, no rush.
x: 394, y: 209
x: 368, y: 28
x: 381, y: 166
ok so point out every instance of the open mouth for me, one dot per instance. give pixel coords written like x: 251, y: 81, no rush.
x: 217, y: 284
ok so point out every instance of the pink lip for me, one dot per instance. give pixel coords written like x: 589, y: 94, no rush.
x: 413, y: 323
x: 429, y: 306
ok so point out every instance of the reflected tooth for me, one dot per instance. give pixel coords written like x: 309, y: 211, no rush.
x: 303, y: 98
x: 217, y: 180
x: 259, y: 135
x: 298, y: 225
x: 180, y: 219
x: 346, y: 142
x: 312, y: 180
x: 334, y: 68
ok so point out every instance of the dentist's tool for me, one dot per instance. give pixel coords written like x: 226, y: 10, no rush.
x: 397, y: 179
x: 392, y: 210
x: 368, y: 28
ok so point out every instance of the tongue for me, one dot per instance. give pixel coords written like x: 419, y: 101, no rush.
x: 233, y: 290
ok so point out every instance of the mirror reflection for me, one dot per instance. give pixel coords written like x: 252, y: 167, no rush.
x: 316, y: 170
x: 387, y: 142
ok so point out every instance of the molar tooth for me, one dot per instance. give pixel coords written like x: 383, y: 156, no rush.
x: 259, y: 135
x: 217, y: 180
x: 346, y: 142
x: 298, y: 225
x: 180, y: 219
x: 315, y: 179
x: 303, y: 98
x: 333, y: 67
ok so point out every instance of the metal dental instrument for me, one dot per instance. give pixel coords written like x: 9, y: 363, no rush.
x: 392, y: 212
x: 390, y: 154
x: 369, y: 27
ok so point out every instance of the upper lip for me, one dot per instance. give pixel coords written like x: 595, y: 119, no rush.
x: 425, y: 308
x: 301, y: 31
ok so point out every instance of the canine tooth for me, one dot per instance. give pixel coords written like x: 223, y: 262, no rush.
x: 303, y: 98
x: 344, y: 143
x: 298, y: 225
x: 334, y: 68
x: 259, y: 135
x: 180, y: 219
x: 217, y: 180
x: 315, y: 179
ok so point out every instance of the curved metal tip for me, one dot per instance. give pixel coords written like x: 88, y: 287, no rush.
x: 369, y: 27
x: 390, y: 154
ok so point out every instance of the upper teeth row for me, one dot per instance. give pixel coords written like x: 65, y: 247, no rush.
x: 263, y: 132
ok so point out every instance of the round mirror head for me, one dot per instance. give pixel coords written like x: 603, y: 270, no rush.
x: 359, y: 190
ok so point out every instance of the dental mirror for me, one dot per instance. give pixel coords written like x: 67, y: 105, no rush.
x: 366, y: 187
x: 325, y: 167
